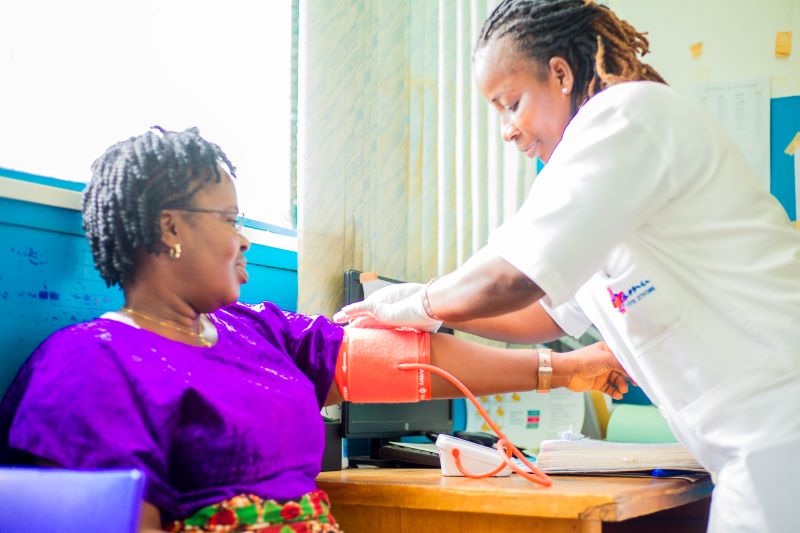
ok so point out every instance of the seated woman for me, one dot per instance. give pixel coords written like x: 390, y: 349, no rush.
x: 216, y: 401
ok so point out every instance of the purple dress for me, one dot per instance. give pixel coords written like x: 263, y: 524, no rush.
x: 204, y: 424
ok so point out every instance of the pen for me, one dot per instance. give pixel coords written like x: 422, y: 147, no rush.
x: 660, y: 472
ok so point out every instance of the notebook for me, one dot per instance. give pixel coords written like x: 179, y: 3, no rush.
x: 572, y: 456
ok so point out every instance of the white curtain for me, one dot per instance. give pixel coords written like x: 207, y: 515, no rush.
x: 401, y: 168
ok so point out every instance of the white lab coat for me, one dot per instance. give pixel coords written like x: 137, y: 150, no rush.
x: 647, y: 203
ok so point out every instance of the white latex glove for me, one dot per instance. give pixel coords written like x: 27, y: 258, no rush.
x: 398, y: 305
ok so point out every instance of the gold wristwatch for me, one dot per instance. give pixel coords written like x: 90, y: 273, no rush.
x: 545, y: 369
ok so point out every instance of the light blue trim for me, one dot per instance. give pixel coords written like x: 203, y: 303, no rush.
x: 78, y: 186
x: 264, y: 226
x: 42, y: 180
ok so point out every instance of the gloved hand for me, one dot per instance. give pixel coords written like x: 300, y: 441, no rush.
x: 398, y: 305
x: 395, y: 292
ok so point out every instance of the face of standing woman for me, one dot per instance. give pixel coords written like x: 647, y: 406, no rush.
x: 534, y: 101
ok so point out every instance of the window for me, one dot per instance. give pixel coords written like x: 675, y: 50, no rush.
x: 78, y: 76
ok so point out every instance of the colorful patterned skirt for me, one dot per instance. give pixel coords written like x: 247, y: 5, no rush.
x: 309, y: 514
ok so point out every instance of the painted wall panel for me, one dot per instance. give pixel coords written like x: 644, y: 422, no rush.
x: 784, y: 125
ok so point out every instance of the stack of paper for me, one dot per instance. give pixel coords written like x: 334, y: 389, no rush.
x: 589, y: 455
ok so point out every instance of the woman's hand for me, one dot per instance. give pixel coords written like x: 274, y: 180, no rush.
x: 398, y: 305
x: 592, y: 367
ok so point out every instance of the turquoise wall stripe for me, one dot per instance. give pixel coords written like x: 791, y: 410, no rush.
x: 259, y: 254
x: 784, y: 125
x: 48, y: 279
x: 276, y: 285
x: 45, y: 217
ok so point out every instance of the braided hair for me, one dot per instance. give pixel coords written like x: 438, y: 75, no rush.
x: 132, y: 182
x: 600, y: 48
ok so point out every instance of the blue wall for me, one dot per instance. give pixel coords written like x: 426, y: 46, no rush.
x: 48, y: 279
x: 784, y: 125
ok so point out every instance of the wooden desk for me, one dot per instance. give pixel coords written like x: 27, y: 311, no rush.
x: 400, y: 500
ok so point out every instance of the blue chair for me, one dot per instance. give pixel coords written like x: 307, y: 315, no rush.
x: 69, y: 501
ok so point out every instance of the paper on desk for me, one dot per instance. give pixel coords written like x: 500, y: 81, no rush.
x: 528, y: 418
x: 587, y: 455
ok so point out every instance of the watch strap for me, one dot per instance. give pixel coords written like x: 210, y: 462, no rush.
x: 545, y: 369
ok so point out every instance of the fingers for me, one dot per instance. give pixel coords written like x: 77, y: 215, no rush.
x: 618, y: 368
x: 620, y: 383
x: 615, y: 386
x: 350, y: 312
x: 609, y: 389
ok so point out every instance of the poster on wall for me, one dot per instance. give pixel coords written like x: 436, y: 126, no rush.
x: 742, y: 109
x: 528, y: 418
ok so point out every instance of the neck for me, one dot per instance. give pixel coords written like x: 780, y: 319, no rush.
x: 168, y: 329
x: 162, y: 304
x: 171, y: 329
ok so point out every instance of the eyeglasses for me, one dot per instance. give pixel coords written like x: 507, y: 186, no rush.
x: 234, y: 219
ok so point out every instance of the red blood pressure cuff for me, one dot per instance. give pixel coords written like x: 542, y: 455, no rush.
x: 366, y: 371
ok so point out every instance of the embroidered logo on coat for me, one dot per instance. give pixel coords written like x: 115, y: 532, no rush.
x: 623, y: 300
x: 618, y: 300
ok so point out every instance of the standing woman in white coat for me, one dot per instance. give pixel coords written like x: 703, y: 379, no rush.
x: 647, y: 223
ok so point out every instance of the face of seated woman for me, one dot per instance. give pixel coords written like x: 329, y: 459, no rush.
x: 211, y: 267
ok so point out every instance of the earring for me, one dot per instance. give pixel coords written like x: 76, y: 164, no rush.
x: 564, y: 90
x: 175, y: 251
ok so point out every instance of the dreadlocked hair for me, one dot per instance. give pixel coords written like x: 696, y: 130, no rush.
x: 600, y: 48
x: 132, y: 182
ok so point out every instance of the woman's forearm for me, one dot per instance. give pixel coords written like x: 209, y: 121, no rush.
x: 485, y: 369
x: 485, y: 286
x: 532, y: 325
x: 490, y: 370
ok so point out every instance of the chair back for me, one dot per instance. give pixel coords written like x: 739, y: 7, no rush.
x: 69, y: 501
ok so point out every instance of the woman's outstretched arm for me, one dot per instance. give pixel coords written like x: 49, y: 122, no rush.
x: 490, y: 370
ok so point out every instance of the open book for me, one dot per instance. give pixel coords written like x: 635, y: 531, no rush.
x: 594, y: 456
